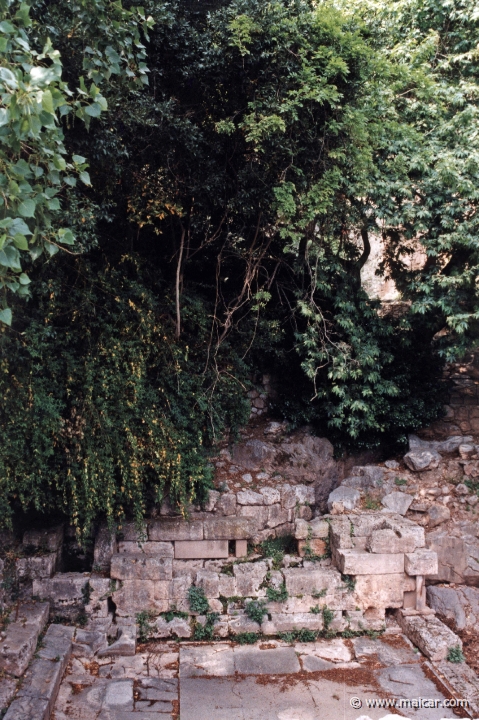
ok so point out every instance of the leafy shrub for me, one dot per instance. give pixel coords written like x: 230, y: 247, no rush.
x: 255, y: 610
x: 455, y: 654
x: 205, y: 632
x: 145, y: 628
x: 247, y: 638
x: 198, y: 600
x: 277, y: 595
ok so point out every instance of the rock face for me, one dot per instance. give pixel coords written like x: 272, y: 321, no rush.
x: 457, y: 548
x: 460, y: 605
x: 306, y: 459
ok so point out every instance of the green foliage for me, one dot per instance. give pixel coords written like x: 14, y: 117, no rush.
x: 277, y: 548
x: 198, y: 600
x: 145, y: 628
x: 349, y: 582
x: 301, y: 635
x: 319, y: 594
x: 455, y: 654
x: 170, y: 615
x: 255, y: 610
x: 315, y: 610
x: 247, y: 638
x: 205, y: 632
x: 277, y: 595
x: 400, y: 481
x: 328, y: 616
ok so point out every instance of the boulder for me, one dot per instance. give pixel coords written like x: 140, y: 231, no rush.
x: 348, y: 497
x: 367, y: 477
x: 418, y: 460
x: 437, y: 514
x: 397, y: 502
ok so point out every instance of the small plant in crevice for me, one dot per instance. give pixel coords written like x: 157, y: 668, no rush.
x: 145, y: 629
x: 370, y: 503
x: 301, y: 635
x: 247, y: 638
x: 277, y: 594
x: 197, y: 600
x: 315, y: 610
x: 256, y: 610
x: 328, y: 616
x: 400, y: 481
x: 205, y: 632
x: 277, y: 548
x: 170, y: 615
x: 455, y: 654
x: 349, y: 582
x: 86, y: 593
x: 319, y: 593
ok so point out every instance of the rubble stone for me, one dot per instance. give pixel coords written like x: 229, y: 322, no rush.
x: 397, y: 502
x: 429, y: 634
x: 249, y: 578
x: 229, y: 528
x: 387, y: 541
x: 418, y: 460
x: 348, y: 497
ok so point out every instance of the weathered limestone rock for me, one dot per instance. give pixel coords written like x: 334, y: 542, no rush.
x: 160, y: 549
x: 19, y: 639
x: 276, y: 516
x: 314, y: 547
x: 305, y: 581
x: 430, y: 635
x: 125, y: 645
x: 49, y: 540
x: 134, y: 596
x: 271, y: 496
x: 89, y: 642
x: 387, y: 541
x: 397, y: 502
x: 458, y: 553
x: 213, y: 497
x: 418, y: 460
x: 37, y: 567
x: 66, y: 592
x: 28, y: 708
x: 8, y: 687
x: 227, y: 586
x: 459, y: 605
x: 381, y: 591
x: 437, y: 514
x: 228, y: 528
x: 226, y: 504
x: 353, y: 562
x: 105, y: 547
x: 190, y: 549
x: 421, y: 562
x: 258, y: 514
x: 348, y: 497
x: 367, y: 477
x: 249, y: 497
x: 171, y: 528
x: 242, y: 624
x: 141, y: 567
x: 249, y: 578
x: 282, y: 622
x: 209, y: 582
x: 464, y: 681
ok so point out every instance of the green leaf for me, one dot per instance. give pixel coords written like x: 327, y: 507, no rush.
x: 23, y: 279
x: 47, y: 102
x: 93, y: 110
x: 10, y: 257
x: 4, y: 116
x: 78, y: 159
x: 66, y: 236
x: 27, y: 208
x: 6, y: 316
x: 20, y: 241
x: 85, y: 178
x: 8, y: 78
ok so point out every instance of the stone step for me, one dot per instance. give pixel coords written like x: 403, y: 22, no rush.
x: 429, y: 634
x: 19, y: 639
x: 41, y: 682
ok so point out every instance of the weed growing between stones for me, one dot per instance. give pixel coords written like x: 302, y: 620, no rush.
x: 349, y: 582
x: 318, y: 593
x: 400, y: 481
x: 302, y: 635
x: 455, y: 654
x: 256, y: 610
x: 370, y: 503
x: 328, y: 616
x: 205, y: 631
x: 170, y: 615
x: 277, y: 595
x: 315, y: 610
x: 277, y: 548
x: 247, y: 638
x: 145, y: 629
x: 197, y: 600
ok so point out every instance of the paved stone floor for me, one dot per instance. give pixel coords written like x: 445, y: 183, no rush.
x: 268, y: 681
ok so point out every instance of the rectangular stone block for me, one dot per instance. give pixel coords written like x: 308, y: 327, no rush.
x: 227, y: 586
x: 28, y: 708
x: 406, y: 529
x: 430, y: 635
x: 353, y: 562
x: 250, y: 578
x: 17, y: 648
x: 65, y: 591
x: 209, y: 582
x: 249, y: 497
x: 388, y: 542
x: 315, y: 546
x: 197, y: 549
x: 305, y: 581
x: 160, y: 549
x: 31, y: 568
x: 276, y: 516
x: 173, y: 529
x: 421, y: 562
x: 42, y: 681
x: 282, y: 622
x: 379, y: 591
x: 229, y: 528
x: 257, y: 513
x: 49, y: 539
x: 134, y: 596
x: 141, y: 567
x: 241, y: 548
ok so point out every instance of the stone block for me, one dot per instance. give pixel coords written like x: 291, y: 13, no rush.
x: 340, y: 533
x: 242, y: 624
x: 421, y: 562
x: 418, y: 460
x: 179, y: 586
x: 276, y: 516
x: 186, y: 567
x: 438, y: 514
x: 124, y: 646
x: 89, y: 642
x: 380, y: 591
x: 209, y: 582
x: 257, y: 513
x: 37, y: 567
x: 57, y: 644
x: 305, y: 581
x: 31, y: 613
x: 283, y: 622
x: 363, y: 524
x: 8, y: 687
x: 213, y: 497
x: 160, y: 549
x: 196, y: 549
x: 346, y: 497
x: 405, y: 528
x: 99, y: 588
x: 141, y: 567
x: 226, y: 504
x: 49, y: 540
x: 228, y: 528
x: 28, y: 708
x: 17, y: 648
x: 249, y: 497
x: 42, y: 681
x: 249, y: 578
x: 65, y: 591
x: 397, y: 502
x: 172, y: 529
x: 227, y: 585
x: 429, y: 634
x: 353, y: 562
x: 301, y: 529
x: 241, y: 548
x: 271, y: 496
x: 387, y: 542
x: 314, y: 547
x: 105, y: 546
x: 135, y: 596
